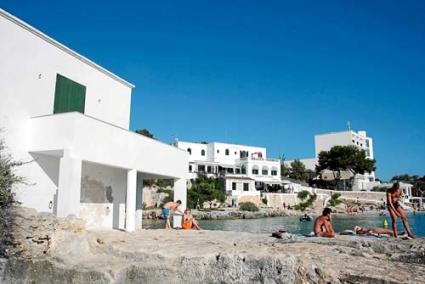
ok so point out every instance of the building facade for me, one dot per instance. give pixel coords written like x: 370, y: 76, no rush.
x: 324, y: 142
x: 68, y: 118
x: 246, y: 166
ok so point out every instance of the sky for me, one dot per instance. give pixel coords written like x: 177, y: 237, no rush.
x: 263, y: 73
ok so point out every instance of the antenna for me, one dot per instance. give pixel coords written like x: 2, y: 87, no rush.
x: 349, y: 125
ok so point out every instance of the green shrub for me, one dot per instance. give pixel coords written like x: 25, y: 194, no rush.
x: 334, y: 201
x: 302, y: 206
x: 7, y: 180
x: 303, y: 194
x: 248, y: 206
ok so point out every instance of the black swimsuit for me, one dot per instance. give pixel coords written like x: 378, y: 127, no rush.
x: 396, y: 205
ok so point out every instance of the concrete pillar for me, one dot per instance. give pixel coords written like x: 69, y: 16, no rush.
x: 180, y: 193
x: 130, y: 203
x: 69, y: 186
x: 139, y: 202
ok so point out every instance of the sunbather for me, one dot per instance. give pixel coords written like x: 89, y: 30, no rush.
x: 363, y: 231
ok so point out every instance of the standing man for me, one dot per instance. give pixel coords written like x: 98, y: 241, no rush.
x: 323, y: 225
x: 170, y: 207
x: 395, y: 209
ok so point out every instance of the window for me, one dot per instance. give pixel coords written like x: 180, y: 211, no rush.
x: 243, y: 170
x: 274, y: 172
x: 218, y: 151
x: 230, y: 170
x: 69, y: 95
x: 245, y: 186
x: 209, y: 170
x: 236, y: 153
x: 226, y: 152
x: 189, y: 151
x: 238, y: 171
x: 233, y: 185
x: 201, y: 168
x: 190, y: 168
x: 265, y: 172
x: 202, y: 152
x: 255, y: 171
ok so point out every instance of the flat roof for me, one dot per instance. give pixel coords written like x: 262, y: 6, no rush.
x: 62, y: 47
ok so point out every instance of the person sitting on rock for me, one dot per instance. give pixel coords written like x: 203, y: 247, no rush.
x: 170, y: 206
x: 363, y: 231
x: 188, y: 221
x: 323, y: 225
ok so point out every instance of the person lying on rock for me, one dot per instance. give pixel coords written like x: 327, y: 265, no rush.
x: 170, y: 207
x: 323, y: 225
x: 188, y: 221
x: 395, y: 209
x: 363, y: 231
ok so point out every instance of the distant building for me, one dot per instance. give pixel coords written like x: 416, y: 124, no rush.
x: 324, y: 142
x: 246, y: 169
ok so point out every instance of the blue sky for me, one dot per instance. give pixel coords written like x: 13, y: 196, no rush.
x: 267, y: 73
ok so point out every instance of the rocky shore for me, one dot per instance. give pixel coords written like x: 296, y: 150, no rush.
x: 230, y: 213
x: 61, y: 251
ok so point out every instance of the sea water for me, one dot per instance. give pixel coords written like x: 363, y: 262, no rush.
x: 294, y: 225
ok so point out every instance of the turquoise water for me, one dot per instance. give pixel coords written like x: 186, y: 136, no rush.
x: 293, y: 225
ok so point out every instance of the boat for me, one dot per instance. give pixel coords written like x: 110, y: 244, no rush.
x: 306, y: 218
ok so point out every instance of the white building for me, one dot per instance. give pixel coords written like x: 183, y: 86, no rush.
x: 70, y: 117
x: 245, y: 164
x: 324, y: 142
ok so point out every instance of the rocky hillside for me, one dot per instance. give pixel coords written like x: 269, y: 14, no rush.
x: 62, y: 251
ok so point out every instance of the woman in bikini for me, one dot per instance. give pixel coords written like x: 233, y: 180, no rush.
x: 395, y: 209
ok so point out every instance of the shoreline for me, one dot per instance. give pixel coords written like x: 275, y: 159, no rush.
x: 234, y: 214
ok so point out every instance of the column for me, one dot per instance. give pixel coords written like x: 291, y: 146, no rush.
x: 69, y: 186
x: 180, y: 192
x: 139, y: 202
x: 130, y: 203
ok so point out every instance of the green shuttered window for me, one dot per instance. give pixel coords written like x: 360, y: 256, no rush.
x: 69, y: 95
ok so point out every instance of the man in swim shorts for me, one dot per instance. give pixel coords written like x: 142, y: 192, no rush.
x: 170, y: 207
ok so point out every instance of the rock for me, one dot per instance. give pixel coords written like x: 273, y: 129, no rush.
x: 75, y: 255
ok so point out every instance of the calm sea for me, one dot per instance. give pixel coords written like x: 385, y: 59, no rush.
x: 293, y: 225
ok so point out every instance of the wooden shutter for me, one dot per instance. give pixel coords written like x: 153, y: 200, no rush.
x: 69, y: 95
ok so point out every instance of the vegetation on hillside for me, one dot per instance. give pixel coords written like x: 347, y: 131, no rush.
x: 205, y: 190
x: 345, y: 158
x: 307, y: 198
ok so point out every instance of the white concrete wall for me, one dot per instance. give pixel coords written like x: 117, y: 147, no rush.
x: 196, y: 149
x: 239, y: 187
x: 28, y: 69
x: 234, y: 152
x: 99, y: 142
x: 103, y: 191
x: 216, y: 152
x: 324, y: 142
x: 260, y: 164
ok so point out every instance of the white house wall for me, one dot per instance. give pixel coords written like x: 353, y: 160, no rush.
x: 99, y: 142
x: 103, y: 191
